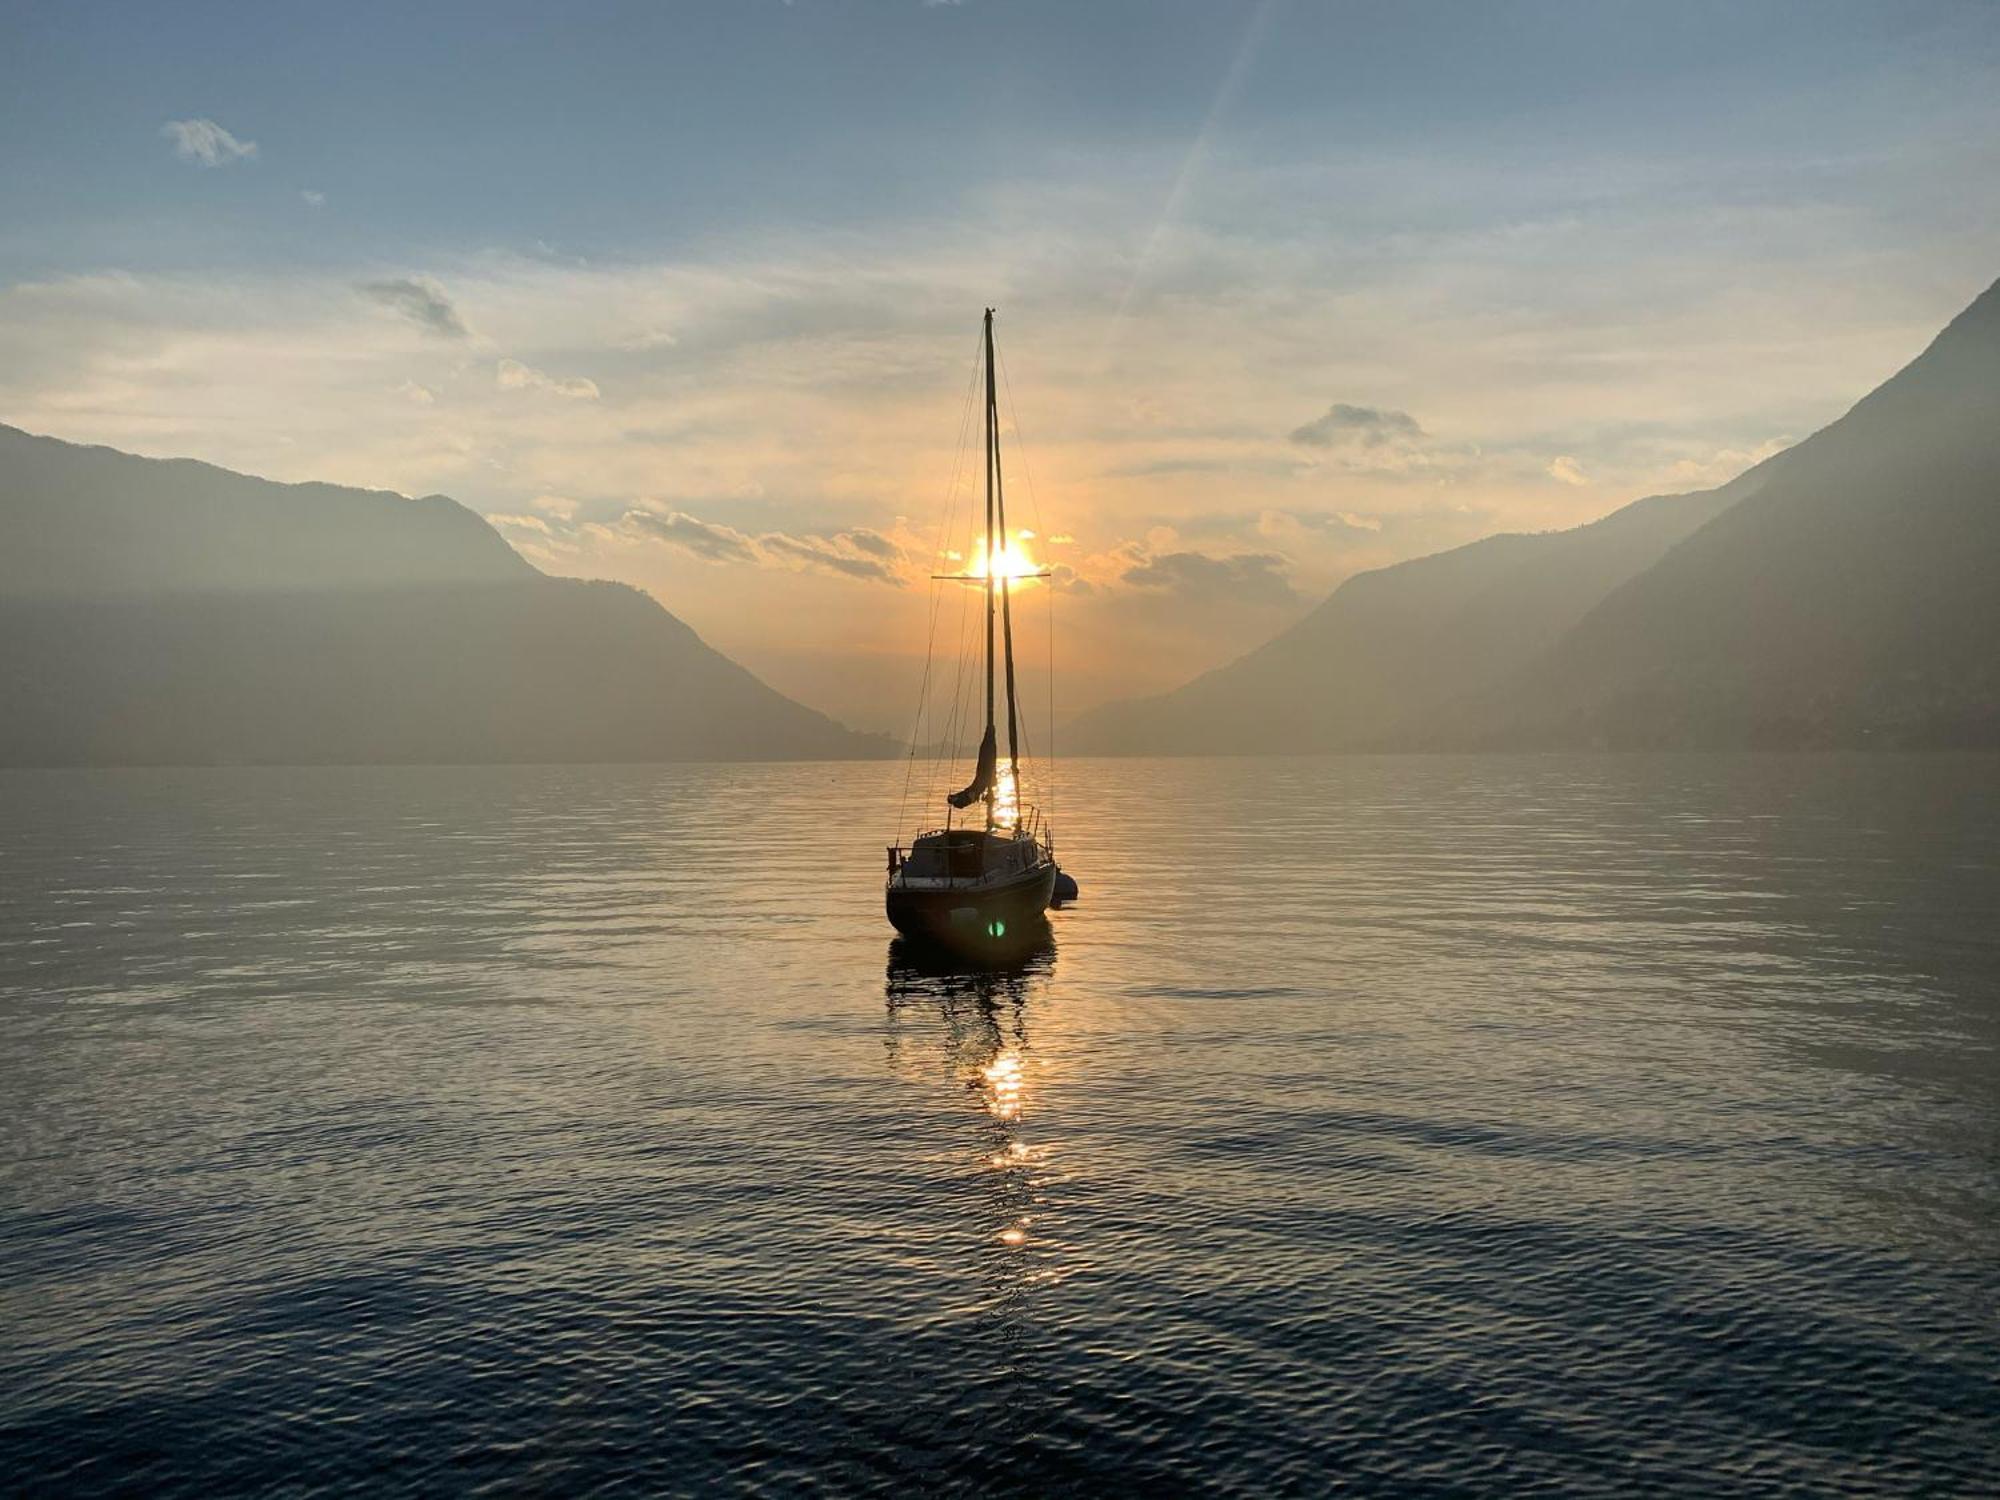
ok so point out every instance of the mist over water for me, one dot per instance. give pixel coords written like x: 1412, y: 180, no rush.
x: 1624, y: 1124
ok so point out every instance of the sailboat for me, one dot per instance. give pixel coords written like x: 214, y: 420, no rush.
x: 982, y: 887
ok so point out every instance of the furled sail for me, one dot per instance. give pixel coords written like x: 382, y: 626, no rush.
x: 982, y: 779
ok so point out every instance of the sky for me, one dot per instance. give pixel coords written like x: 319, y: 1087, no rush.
x: 688, y: 295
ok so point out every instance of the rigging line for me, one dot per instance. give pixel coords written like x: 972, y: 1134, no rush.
x: 1031, y: 776
x: 1006, y: 580
x: 930, y: 633
x: 1050, y: 683
x: 947, y: 748
x: 1021, y: 448
x: 1035, y: 504
x: 930, y: 630
x: 944, y: 721
x: 1029, y: 757
x: 962, y: 690
x: 992, y: 457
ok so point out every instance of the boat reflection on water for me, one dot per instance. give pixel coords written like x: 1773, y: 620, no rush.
x: 919, y: 970
x: 969, y: 1021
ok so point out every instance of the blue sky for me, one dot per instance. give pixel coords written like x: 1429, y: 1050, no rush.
x: 616, y: 130
x: 723, y: 262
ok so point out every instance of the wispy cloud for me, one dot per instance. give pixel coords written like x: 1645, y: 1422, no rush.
x: 313, y: 197
x: 1567, y: 470
x: 512, y: 375
x: 1286, y: 525
x: 206, y: 143
x: 647, y: 339
x: 1724, y: 464
x: 857, y: 554
x: 1241, y: 578
x: 1358, y: 426
x: 707, y: 540
x: 854, y: 553
x: 419, y: 299
x: 1379, y: 440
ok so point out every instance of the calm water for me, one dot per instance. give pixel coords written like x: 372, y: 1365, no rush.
x: 1444, y: 1126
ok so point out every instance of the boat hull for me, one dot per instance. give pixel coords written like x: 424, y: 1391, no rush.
x: 974, y: 920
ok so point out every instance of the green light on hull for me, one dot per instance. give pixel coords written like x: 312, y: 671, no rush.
x: 996, y: 929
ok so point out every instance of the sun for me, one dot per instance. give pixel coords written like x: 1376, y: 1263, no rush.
x: 1010, y: 561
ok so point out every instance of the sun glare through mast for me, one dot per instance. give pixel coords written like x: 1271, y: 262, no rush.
x: 1010, y: 561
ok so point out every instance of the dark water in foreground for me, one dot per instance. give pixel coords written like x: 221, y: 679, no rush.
x: 1449, y: 1126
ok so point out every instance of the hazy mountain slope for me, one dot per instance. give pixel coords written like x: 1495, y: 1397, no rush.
x: 548, y: 669
x: 1841, y: 592
x: 1389, y: 646
x: 76, y: 520
x: 310, y: 623
x: 1854, y: 599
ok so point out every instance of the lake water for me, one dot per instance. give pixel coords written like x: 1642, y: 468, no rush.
x: 1402, y: 1125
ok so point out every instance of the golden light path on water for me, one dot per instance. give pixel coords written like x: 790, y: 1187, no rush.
x: 1006, y: 799
x: 1001, y: 1087
x: 982, y: 1014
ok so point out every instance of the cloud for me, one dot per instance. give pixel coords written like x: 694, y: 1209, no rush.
x: 1066, y: 580
x: 206, y: 143
x: 521, y: 523
x: 1724, y: 464
x: 559, y: 506
x: 877, y: 545
x: 415, y: 394
x: 854, y: 553
x: 313, y: 198
x: 515, y: 376
x: 1228, y: 463
x: 705, y: 539
x: 648, y: 338
x: 1381, y: 441
x: 1568, y: 470
x: 419, y: 299
x: 1242, y: 578
x: 1275, y: 523
x: 1346, y: 426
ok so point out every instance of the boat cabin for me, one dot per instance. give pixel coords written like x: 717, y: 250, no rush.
x: 949, y: 855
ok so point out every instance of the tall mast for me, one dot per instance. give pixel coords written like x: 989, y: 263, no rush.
x: 992, y: 468
x: 1006, y: 587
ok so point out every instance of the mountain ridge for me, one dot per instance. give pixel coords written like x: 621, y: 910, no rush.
x: 1849, y: 600
x: 85, y: 518
x: 1549, y: 639
x: 169, y: 612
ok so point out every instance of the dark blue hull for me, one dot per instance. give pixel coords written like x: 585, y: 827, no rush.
x: 988, y: 919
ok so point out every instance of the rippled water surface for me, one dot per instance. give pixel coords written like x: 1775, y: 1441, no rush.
x: 1454, y: 1126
